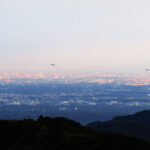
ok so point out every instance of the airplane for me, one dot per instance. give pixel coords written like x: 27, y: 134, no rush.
x: 147, y: 69
x: 52, y: 64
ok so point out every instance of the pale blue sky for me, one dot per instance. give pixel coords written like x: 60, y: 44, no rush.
x: 77, y: 35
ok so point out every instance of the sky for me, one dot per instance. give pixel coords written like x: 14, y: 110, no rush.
x: 106, y: 36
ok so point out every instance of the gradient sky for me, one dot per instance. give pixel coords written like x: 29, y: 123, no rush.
x: 78, y: 35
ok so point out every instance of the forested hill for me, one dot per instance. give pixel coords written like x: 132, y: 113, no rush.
x: 60, y: 134
x: 136, y: 125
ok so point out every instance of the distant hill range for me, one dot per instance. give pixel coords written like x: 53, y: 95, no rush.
x: 136, y: 125
x: 61, y: 134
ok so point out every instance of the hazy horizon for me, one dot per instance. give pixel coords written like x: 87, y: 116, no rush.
x: 78, y: 36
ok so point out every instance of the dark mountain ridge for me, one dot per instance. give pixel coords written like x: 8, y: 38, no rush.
x: 61, y: 134
x: 136, y: 125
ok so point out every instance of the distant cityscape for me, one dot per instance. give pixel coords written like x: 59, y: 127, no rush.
x: 81, y: 97
x: 126, y: 79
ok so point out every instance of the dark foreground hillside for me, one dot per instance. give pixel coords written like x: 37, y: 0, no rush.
x: 60, y: 134
x: 136, y: 125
